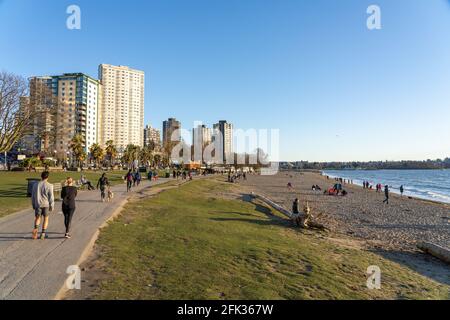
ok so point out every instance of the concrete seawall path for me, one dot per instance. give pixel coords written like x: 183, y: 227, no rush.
x: 36, y: 269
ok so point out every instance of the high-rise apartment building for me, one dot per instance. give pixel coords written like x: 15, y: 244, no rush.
x: 122, y: 108
x: 75, y: 99
x: 152, y: 135
x: 169, y: 127
x: 225, y: 130
x: 201, y: 138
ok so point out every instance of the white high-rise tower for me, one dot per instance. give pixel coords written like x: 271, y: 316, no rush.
x: 121, y: 114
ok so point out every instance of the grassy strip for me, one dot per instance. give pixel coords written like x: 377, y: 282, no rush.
x: 13, y: 186
x: 191, y: 243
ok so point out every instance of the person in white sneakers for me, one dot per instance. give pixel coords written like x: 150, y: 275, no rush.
x: 43, y: 202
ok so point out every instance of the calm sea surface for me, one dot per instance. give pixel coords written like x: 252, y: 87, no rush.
x: 425, y: 184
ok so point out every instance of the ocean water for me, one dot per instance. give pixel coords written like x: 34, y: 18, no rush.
x: 426, y: 184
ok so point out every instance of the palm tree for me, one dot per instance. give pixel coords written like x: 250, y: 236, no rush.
x: 97, y: 153
x: 77, y: 147
x: 157, y: 160
x: 111, y: 151
x: 146, y: 155
x: 131, y: 154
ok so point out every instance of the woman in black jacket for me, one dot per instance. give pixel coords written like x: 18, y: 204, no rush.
x: 68, y: 195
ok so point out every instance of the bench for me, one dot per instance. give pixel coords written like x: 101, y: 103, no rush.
x: 57, y: 187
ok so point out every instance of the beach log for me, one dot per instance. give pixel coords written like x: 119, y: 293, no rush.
x: 435, y: 250
x: 301, y: 219
x: 273, y: 205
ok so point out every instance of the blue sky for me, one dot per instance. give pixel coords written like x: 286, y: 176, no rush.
x: 312, y: 69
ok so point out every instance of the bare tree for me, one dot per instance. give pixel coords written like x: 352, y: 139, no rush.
x: 15, y: 113
x: 49, y: 124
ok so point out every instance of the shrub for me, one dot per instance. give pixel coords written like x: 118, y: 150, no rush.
x: 33, y: 161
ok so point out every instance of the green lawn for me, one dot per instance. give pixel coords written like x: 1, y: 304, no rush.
x: 190, y: 243
x: 13, y: 186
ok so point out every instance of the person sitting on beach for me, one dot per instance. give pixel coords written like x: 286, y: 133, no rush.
x: 289, y: 186
x: 332, y: 192
x: 344, y: 193
x: 313, y: 188
x: 318, y: 188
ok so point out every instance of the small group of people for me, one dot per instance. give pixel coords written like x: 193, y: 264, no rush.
x: 336, y: 190
x: 152, y: 175
x: 236, y: 176
x: 133, y: 179
x: 367, y: 185
x: 316, y: 188
x: 43, y: 202
x: 379, y: 189
x: 176, y: 174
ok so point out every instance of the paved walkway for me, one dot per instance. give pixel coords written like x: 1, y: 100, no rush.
x: 36, y: 269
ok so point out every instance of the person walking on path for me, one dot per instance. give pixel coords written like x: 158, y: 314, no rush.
x: 138, y: 178
x: 102, y: 184
x: 43, y: 203
x: 386, y: 194
x: 129, y: 179
x: 150, y: 175
x: 68, y: 195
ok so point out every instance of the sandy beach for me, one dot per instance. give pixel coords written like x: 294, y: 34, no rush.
x: 361, y: 214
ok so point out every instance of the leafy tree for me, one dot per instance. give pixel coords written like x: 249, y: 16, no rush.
x: 131, y: 154
x: 77, y: 147
x: 157, y: 159
x: 31, y: 162
x: 111, y: 151
x: 97, y: 153
x: 146, y: 155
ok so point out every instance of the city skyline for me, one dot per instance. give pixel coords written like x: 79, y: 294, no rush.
x: 336, y: 90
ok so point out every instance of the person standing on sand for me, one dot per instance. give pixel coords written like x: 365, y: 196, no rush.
x: 295, y: 207
x: 43, y: 203
x: 386, y: 194
x: 296, y: 211
x: 402, y: 190
x: 68, y: 195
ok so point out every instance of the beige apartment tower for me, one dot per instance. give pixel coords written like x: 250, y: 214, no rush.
x: 121, y: 116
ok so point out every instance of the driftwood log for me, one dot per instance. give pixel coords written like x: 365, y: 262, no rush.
x: 303, y: 220
x: 435, y: 250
